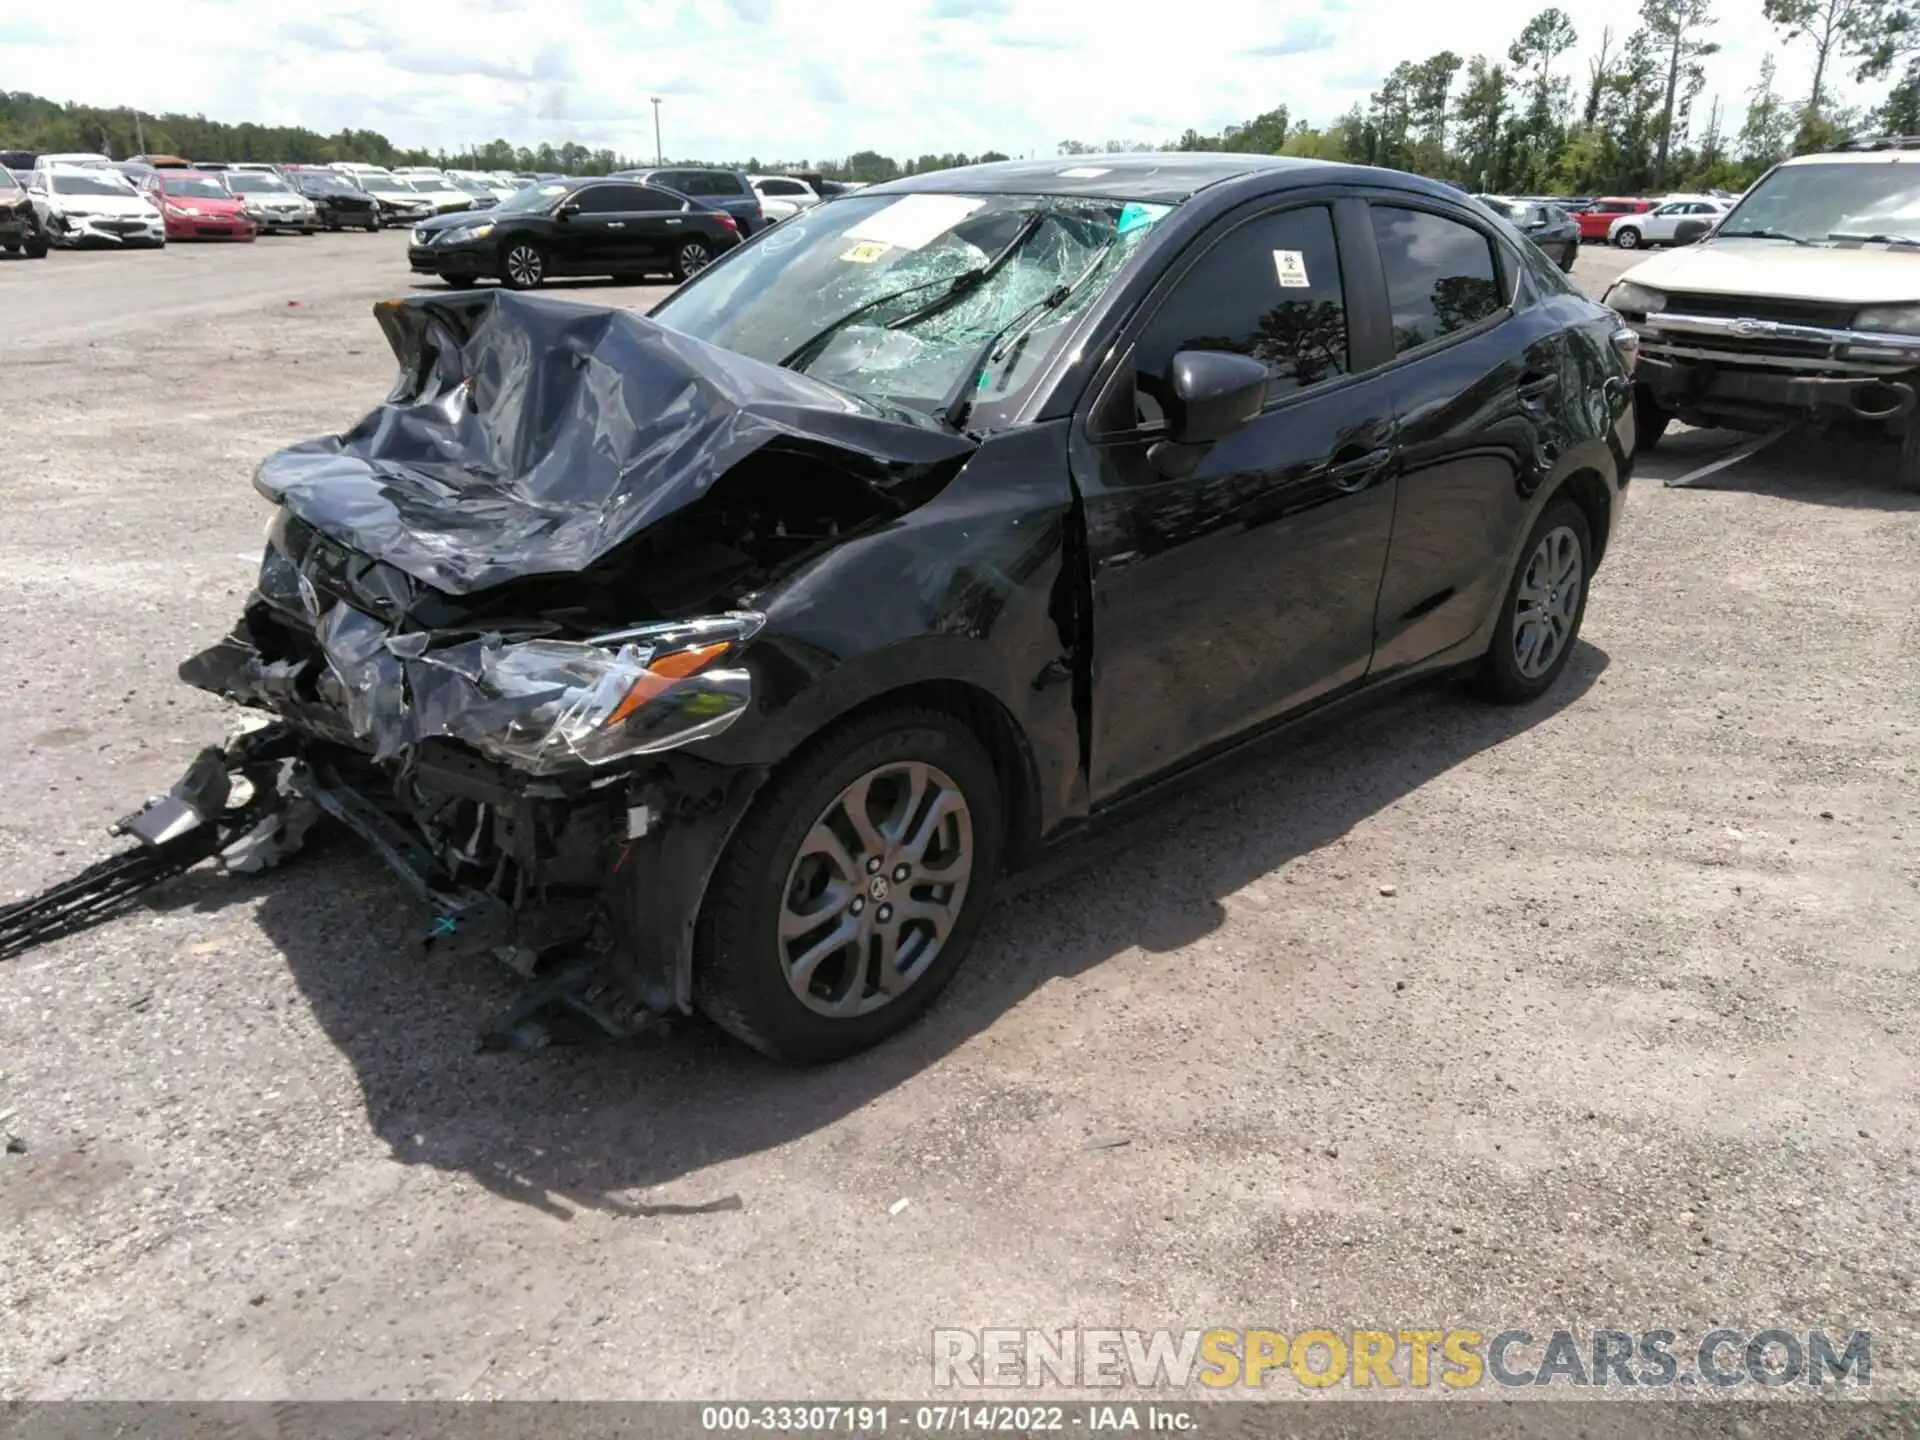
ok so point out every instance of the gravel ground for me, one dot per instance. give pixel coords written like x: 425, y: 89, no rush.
x: 1631, y: 1042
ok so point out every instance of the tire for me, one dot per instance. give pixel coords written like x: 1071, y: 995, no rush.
x: 1907, y: 478
x: 1628, y: 238
x: 693, y: 256
x: 373, y: 227
x: 1650, y: 420
x: 1513, y: 670
x: 457, y: 282
x: 37, y: 248
x: 741, y: 960
x: 530, y: 272
x: 1567, y: 258
x: 11, y: 247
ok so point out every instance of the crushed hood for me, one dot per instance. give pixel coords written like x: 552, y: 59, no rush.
x: 1844, y: 275
x: 533, y: 437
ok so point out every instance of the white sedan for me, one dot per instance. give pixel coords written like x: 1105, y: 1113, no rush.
x: 782, y: 197
x: 93, y: 207
x: 1657, y: 226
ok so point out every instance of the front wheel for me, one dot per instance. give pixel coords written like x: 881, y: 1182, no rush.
x: 1545, y: 602
x: 457, y: 282
x: 522, y: 266
x: 37, y: 248
x: 372, y: 225
x: 853, y: 888
x: 692, y: 257
x: 1628, y: 238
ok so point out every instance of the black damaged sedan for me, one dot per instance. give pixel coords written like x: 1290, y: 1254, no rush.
x: 574, y: 228
x: 730, y: 656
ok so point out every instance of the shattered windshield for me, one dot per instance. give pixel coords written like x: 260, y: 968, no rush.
x: 1032, y: 262
x: 1818, y: 202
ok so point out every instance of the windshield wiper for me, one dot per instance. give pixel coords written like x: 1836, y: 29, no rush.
x: 1763, y: 233
x: 962, y: 284
x: 955, y: 404
x: 805, y: 350
x: 1873, y: 239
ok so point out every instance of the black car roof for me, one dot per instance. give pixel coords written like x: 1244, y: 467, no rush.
x: 1169, y: 177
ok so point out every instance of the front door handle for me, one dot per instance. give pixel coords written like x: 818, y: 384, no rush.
x: 616, y: 224
x: 676, y: 222
x: 1357, y: 473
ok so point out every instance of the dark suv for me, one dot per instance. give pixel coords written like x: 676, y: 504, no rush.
x: 727, y: 190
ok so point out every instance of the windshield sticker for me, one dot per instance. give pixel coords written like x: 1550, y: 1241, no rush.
x: 1085, y: 172
x: 1292, y: 268
x: 914, y: 220
x: 1135, y: 216
x: 865, y: 252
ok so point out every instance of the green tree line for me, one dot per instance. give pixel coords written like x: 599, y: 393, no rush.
x: 1529, y: 121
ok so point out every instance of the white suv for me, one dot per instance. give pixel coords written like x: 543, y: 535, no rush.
x: 1802, y: 304
x: 1658, y: 225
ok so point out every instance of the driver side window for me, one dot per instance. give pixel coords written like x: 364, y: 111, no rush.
x: 1270, y: 290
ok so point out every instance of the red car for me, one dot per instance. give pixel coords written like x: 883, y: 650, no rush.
x: 1594, y: 220
x: 197, y: 207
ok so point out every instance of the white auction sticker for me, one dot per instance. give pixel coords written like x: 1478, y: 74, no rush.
x: 914, y: 220
x: 1084, y: 172
x: 1291, y: 266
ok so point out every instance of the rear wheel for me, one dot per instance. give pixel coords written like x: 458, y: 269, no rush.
x: 1540, y: 618
x: 1627, y: 238
x: 853, y: 888
x: 458, y: 282
x: 12, y: 247
x: 693, y: 256
x: 1908, y: 474
x: 522, y: 265
x: 1650, y: 419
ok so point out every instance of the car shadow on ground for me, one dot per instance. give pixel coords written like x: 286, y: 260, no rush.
x: 1849, y: 472
x: 564, y: 1129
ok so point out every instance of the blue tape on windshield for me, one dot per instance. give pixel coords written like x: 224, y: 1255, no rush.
x: 1136, y: 216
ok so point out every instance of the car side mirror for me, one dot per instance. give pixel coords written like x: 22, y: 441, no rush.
x: 1210, y: 394
x: 1688, y: 231
x: 1215, y: 392
x: 566, y: 211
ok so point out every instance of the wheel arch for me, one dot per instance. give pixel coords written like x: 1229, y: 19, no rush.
x: 1587, y: 489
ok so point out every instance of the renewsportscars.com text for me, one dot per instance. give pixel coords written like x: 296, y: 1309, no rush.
x: 1404, y: 1357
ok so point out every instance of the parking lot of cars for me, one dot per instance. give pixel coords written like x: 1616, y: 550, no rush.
x: 1598, y: 1007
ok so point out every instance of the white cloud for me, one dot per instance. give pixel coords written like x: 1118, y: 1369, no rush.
x: 779, y: 78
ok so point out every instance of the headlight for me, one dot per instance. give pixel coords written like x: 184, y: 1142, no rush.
x: 544, y: 705
x: 469, y: 232
x: 1629, y: 298
x: 1893, y: 319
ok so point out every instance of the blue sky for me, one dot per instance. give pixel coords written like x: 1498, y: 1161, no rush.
x: 777, y: 79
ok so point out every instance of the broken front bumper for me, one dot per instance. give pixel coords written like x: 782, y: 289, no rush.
x: 539, y: 865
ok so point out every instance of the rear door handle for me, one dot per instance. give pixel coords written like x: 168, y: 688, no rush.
x: 676, y: 222
x: 1538, y: 387
x: 1358, y: 472
x: 616, y: 224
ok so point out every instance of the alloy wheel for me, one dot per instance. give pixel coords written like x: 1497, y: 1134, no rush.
x: 525, y: 267
x: 876, y: 889
x: 1547, y: 603
x: 694, y: 257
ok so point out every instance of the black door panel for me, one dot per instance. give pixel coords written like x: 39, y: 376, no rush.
x: 1245, y: 588
x: 1475, y: 393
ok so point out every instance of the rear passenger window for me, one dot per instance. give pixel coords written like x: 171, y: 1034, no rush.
x: 1270, y: 290
x: 1441, y: 274
x: 722, y: 183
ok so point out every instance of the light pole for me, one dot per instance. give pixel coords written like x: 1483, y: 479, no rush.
x: 659, y: 155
